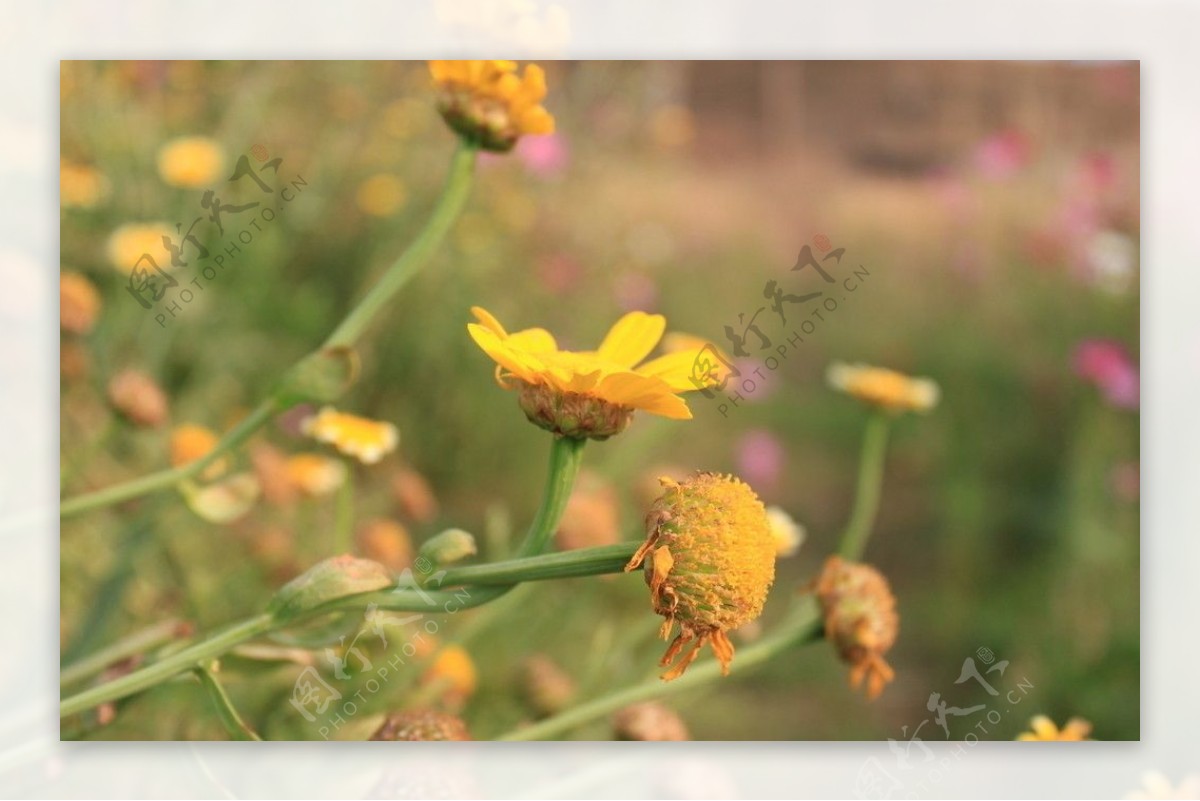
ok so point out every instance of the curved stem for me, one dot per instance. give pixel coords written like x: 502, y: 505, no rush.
x: 453, y: 198
x: 565, y: 458
x: 169, y: 478
x: 164, y: 669
x: 805, y: 627
x: 568, y: 564
x: 137, y: 643
x: 868, y: 489
x: 226, y: 711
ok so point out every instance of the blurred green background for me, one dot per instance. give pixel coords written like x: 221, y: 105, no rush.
x: 995, y: 206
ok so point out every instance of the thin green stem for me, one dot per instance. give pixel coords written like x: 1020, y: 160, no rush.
x: 565, y: 458
x: 226, y: 711
x: 449, y: 205
x: 567, y: 564
x: 868, y: 489
x: 805, y: 627
x: 164, y: 669
x: 453, y: 198
x: 169, y: 478
x: 137, y: 643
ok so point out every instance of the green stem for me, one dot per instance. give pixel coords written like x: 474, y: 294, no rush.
x: 565, y: 458
x: 168, y: 478
x: 453, y: 198
x: 226, y: 711
x: 451, y: 202
x: 804, y: 628
x: 868, y: 489
x: 567, y: 564
x: 137, y: 643
x: 164, y: 669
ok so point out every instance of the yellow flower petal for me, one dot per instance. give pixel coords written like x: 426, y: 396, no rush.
x: 632, y: 338
x: 676, y: 370
x: 488, y: 321
x: 522, y: 365
x: 533, y: 340
x: 640, y: 392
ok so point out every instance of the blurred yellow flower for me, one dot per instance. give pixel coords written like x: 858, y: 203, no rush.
x: 366, y: 440
x: 129, y: 243
x: 191, y: 161
x: 1044, y: 729
x: 489, y: 104
x: 79, y: 303
x: 381, y: 195
x: 887, y: 389
x: 860, y: 620
x: 454, y: 671
x: 80, y: 185
x: 586, y: 394
x: 315, y: 475
x: 709, y: 560
x: 385, y: 541
x: 190, y: 442
x: 787, y: 534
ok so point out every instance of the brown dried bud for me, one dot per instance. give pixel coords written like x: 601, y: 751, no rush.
x: 138, y: 398
x: 422, y: 724
x: 860, y: 620
x: 545, y: 685
x: 649, y: 721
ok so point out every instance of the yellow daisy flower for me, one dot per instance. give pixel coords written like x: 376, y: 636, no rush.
x: 1044, y: 730
x: 887, y: 389
x: 190, y: 442
x: 709, y: 560
x: 489, y: 104
x: 191, y: 161
x: 588, y: 394
x: 129, y: 243
x: 366, y: 440
x: 315, y: 475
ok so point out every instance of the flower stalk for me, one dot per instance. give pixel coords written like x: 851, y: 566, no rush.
x: 868, y: 489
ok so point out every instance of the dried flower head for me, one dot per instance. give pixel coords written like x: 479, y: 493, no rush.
x: 545, y: 685
x: 709, y: 560
x: 190, y: 442
x: 650, y: 721
x: 860, y: 620
x: 79, y: 303
x: 366, y: 440
x: 315, y: 475
x: 387, y: 542
x: 489, y: 104
x: 135, y: 395
x: 1044, y: 730
x: 191, y: 161
x: 889, y: 390
x: 422, y: 724
x: 588, y: 394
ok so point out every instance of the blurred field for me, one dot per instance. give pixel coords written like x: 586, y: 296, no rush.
x: 995, y: 207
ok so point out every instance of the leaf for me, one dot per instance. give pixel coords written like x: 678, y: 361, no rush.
x: 333, y: 578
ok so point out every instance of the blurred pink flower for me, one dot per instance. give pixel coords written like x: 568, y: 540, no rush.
x: 1108, y: 365
x: 760, y: 459
x: 1096, y: 173
x: 559, y: 273
x: 1001, y: 155
x: 545, y: 156
x: 763, y: 387
x: 635, y: 292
